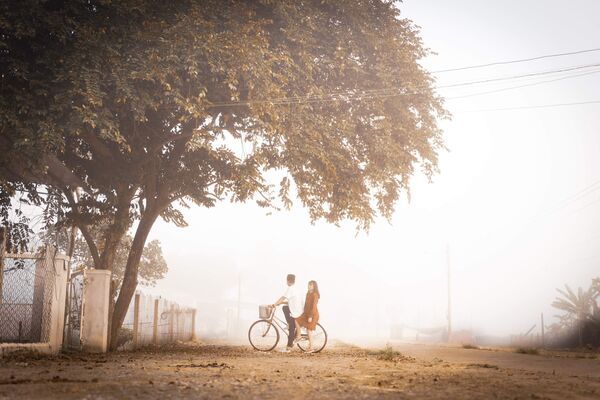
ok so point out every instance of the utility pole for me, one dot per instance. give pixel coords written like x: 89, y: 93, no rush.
x: 543, y: 344
x: 239, y: 302
x: 449, y: 296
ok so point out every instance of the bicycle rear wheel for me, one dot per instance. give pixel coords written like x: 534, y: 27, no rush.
x: 263, y: 335
x: 319, y: 339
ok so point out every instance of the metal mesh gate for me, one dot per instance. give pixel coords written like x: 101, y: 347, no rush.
x: 26, y: 291
x: 73, y: 322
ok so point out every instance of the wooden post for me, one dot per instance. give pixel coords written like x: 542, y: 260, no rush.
x: 449, y: 312
x: 543, y: 341
x: 194, y: 324
x: 178, y: 330
x: 171, y: 314
x: 136, y: 320
x: 2, y: 250
x: 155, y: 323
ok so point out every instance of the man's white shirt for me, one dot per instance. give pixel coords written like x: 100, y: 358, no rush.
x: 295, y: 301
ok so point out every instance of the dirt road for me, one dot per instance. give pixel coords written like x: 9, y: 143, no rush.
x: 204, y: 371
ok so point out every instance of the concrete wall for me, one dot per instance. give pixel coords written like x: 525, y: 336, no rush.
x: 42, y: 348
x: 55, y: 271
x: 95, y: 311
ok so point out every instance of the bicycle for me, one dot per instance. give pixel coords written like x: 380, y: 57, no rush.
x: 264, y: 333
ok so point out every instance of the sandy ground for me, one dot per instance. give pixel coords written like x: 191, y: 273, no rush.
x: 207, y: 371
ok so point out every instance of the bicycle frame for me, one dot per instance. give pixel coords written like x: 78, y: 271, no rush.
x: 273, y: 319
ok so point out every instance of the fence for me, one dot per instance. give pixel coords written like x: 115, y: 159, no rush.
x: 32, y: 298
x: 151, y: 320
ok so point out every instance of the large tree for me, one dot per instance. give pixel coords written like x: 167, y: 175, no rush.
x: 141, y: 107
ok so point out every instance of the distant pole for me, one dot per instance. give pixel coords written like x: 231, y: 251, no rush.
x: 136, y: 320
x: 171, y: 321
x: 543, y: 341
x: 155, y: 323
x: 239, y: 302
x: 449, y: 295
x: 194, y: 324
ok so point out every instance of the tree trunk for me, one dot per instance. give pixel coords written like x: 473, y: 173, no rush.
x: 111, y: 305
x: 114, y: 234
x: 112, y: 241
x: 130, y: 277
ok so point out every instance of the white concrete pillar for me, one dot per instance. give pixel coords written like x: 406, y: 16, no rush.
x: 59, y: 301
x: 95, y: 310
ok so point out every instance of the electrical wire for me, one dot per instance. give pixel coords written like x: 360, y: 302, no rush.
x: 586, y: 206
x: 516, y: 61
x: 521, y: 86
x: 521, y: 75
x: 586, y: 191
x: 368, y: 94
x: 532, y: 107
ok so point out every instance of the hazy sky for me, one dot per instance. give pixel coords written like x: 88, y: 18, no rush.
x: 499, y: 202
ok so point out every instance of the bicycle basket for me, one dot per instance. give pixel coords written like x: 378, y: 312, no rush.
x: 264, y: 311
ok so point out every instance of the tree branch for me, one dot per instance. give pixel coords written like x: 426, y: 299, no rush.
x: 97, y: 145
x: 89, y: 239
x: 173, y: 138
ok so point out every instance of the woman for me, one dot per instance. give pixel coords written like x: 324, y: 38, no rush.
x: 310, y: 316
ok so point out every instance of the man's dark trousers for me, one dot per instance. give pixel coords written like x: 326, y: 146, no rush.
x: 291, y: 324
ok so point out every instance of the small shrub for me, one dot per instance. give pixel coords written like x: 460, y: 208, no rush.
x: 124, y: 336
x: 527, y: 350
x: 470, y: 346
x: 388, y: 353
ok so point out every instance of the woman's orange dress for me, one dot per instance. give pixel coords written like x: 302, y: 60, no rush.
x: 310, y: 311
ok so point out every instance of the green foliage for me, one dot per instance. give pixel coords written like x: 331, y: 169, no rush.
x: 146, y: 97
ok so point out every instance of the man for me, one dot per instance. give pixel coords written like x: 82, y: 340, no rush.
x: 293, y: 309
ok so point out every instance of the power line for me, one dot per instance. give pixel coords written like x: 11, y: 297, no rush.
x: 357, y: 94
x: 586, y: 191
x: 368, y: 94
x: 566, y: 201
x: 534, y: 107
x: 521, y: 86
x: 521, y: 75
x: 517, y: 61
x: 586, y: 206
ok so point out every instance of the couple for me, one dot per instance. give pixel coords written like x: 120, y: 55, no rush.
x: 298, y: 313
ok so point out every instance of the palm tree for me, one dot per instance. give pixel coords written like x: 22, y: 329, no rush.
x: 595, y: 288
x: 579, y: 307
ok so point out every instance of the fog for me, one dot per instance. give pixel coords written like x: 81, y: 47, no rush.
x: 508, y: 203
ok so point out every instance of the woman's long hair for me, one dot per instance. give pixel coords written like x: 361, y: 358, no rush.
x: 316, y: 288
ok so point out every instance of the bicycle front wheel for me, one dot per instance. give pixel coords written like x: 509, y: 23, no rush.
x: 319, y: 339
x: 263, y: 335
